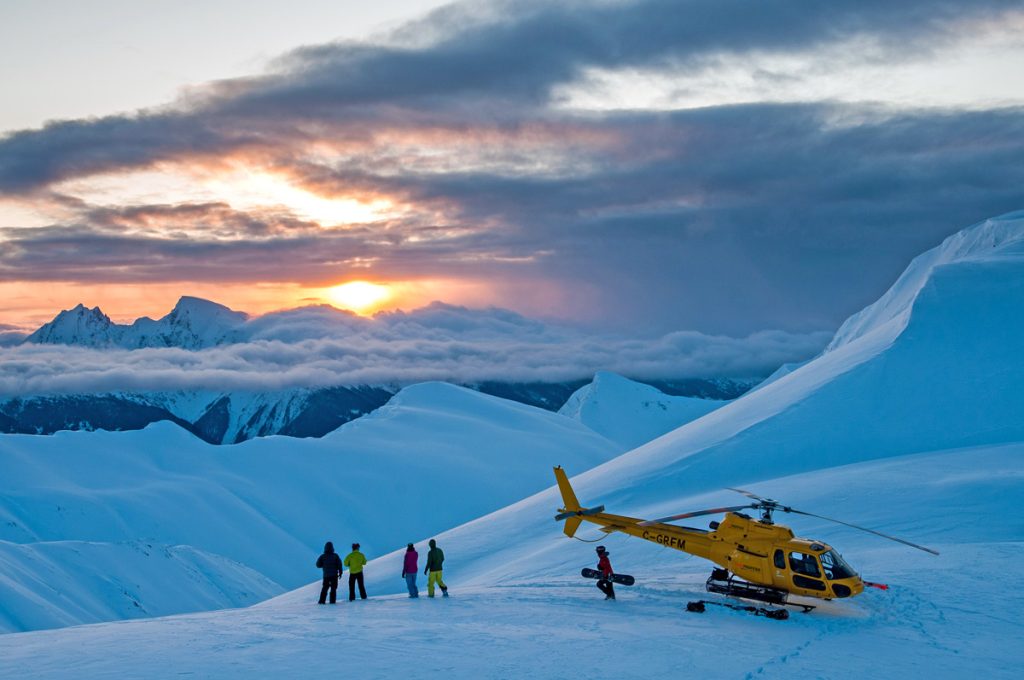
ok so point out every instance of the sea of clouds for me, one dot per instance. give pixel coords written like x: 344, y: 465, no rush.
x: 321, y: 346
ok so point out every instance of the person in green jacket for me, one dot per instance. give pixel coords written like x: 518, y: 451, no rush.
x: 435, y: 558
x: 355, y: 561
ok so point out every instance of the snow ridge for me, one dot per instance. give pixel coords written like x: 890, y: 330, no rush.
x: 995, y: 238
x: 194, y: 323
x: 632, y: 413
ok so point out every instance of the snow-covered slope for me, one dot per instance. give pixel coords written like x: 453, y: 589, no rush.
x: 631, y: 413
x: 64, y: 583
x: 910, y: 424
x: 984, y: 243
x: 525, y: 613
x: 435, y: 456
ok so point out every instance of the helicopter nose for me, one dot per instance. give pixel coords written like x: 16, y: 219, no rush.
x: 839, y: 590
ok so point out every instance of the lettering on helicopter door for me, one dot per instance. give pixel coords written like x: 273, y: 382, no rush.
x: 665, y: 540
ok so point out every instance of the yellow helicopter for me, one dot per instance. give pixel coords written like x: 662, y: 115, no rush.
x: 759, y: 560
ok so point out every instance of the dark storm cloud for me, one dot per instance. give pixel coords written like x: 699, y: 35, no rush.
x: 514, y: 59
x: 760, y: 205
x: 247, y: 247
x: 727, y: 219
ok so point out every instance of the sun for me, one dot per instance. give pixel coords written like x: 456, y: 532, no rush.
x: 359, y: 296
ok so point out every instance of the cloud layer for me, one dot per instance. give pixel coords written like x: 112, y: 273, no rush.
x: 726, y: 219
x: 319, y: 346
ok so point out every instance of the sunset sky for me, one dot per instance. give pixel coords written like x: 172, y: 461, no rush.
x: 723, y: 166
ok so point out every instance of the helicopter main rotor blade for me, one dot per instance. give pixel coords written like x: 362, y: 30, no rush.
x: 697, y: 513
x: 752, y: 495
x: 870, y: 531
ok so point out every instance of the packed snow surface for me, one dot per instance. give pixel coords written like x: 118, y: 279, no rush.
x: 526, y: 613
x: 910, y: 424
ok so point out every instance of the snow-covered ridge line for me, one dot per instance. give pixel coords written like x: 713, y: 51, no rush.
x: 998, y: 237
x: 194, y: 323
x: 632, y: 413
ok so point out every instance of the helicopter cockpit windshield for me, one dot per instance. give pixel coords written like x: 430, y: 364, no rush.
x: 835, y: 566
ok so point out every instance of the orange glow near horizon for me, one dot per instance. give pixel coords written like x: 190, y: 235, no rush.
x: 361, y: 297
x: 26, y: 305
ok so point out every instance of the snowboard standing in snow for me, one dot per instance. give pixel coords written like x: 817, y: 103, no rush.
x: 621, y: 579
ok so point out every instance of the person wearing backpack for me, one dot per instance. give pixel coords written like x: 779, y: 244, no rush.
x: 355, y: 561
x: 331, y: 565
x: 435, y: 560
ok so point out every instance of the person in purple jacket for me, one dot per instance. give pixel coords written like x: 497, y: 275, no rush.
x: 409, y: 569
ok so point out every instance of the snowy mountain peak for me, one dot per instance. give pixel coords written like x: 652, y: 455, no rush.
x: 632, y: 413
x: 196, y: 323
x: 77, y: 326
x: 189, y: 306
x: 996, y: 238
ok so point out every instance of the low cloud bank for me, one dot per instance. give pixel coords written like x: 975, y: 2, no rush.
x: 319, y: 347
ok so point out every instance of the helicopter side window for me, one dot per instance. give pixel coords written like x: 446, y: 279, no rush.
x: 804, y: 564
x: 780, y: 559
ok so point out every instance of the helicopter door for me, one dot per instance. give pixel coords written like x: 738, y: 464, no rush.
x: 806, y: 573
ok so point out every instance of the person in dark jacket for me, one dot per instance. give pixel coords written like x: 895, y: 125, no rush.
x: 435, y: 559
x: 604, y: 566
x: 331, y: 564
x: 355, y: 561
x: 410, y: 566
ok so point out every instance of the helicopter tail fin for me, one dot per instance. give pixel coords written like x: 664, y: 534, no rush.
x: 572, y: 512
x: 571, y: 525
x: 568, y: 495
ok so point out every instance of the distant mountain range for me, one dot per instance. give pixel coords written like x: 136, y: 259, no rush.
x: 229, y: 418
x: 231, y: 415
x: 194, y: 323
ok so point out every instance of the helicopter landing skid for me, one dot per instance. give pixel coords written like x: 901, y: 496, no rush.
x: 700, y: 605
x: 724, y: 583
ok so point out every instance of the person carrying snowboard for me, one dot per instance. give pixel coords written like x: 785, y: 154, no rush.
x: 355, y: 561
x: 331, y: 564
x: 435, y: 558
x: 409, y: 568
x: 604, y: 566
